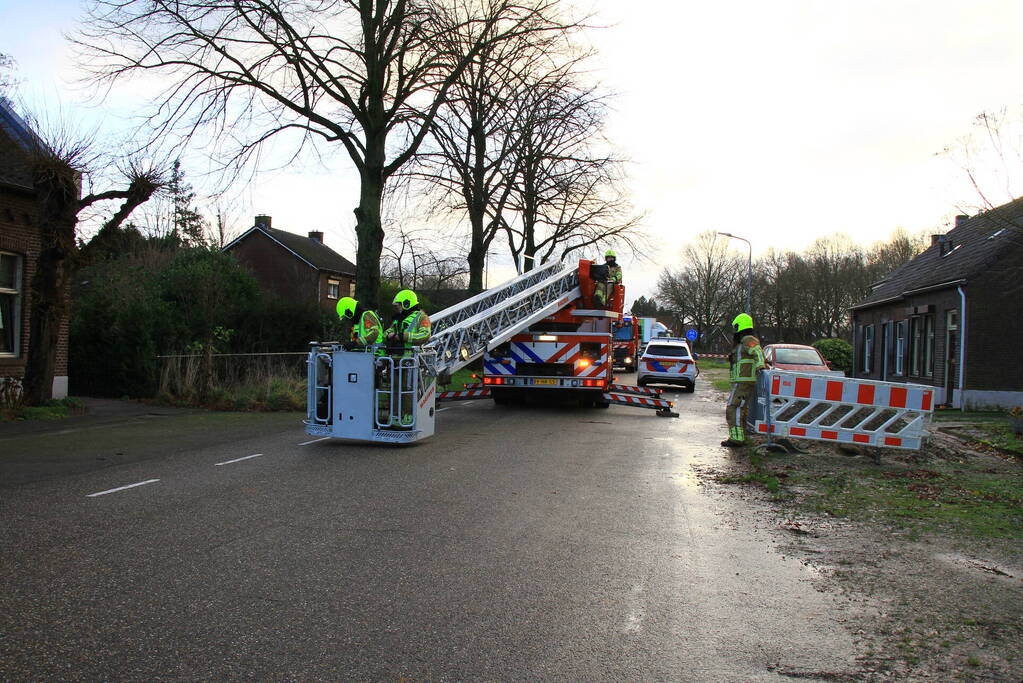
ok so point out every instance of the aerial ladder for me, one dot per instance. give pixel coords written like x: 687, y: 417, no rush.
x: 382, y: 395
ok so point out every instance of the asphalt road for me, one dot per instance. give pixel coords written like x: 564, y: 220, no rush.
x: 521, y: 543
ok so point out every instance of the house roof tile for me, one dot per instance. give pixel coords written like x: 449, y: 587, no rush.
x: 315, y: 253
x: 976, y: 243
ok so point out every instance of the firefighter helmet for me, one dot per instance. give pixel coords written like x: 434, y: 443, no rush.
x: 406, y: 298
x: 610, y: 254
x: 346, y: 307
x: 742, y: 322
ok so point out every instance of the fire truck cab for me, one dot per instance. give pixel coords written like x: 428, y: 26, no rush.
x: 567, y: 354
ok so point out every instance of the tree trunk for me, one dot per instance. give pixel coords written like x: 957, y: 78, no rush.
x: 57, y: 190
x: 477, y: 257
x: 370, y: 233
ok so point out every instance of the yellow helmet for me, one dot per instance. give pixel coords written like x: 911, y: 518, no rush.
x: 346, y: 307
x: 406, y: 298
x: 610, y: 254
x: 742, y: 322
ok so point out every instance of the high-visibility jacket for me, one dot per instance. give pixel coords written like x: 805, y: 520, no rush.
x: 413, y: 329
x: 369, y: 329
x: 747, y: 358
x: 614, y: 274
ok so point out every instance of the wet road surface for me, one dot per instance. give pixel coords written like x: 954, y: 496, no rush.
x: 519, y: 543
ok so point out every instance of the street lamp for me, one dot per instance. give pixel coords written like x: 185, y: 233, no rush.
x: 749, y: 269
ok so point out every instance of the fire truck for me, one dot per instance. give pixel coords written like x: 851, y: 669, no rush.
x: 626, y: 336
x: 537, y: 334
x: 566, y: 354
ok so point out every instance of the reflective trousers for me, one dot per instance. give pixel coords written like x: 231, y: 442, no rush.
x: 738, y: 407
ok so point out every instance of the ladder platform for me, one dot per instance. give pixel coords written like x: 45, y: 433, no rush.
x: 595, y: 313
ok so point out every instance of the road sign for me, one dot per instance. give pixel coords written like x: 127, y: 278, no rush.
x: 691, y: 335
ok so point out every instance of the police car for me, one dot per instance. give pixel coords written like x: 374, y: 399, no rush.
x: 668, y: 360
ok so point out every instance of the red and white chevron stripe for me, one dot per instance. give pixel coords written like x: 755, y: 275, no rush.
x: 463, y: 395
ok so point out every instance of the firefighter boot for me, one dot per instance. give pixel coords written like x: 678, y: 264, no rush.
x: 735, y: 438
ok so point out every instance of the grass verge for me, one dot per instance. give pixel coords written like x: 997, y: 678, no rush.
x: 55, y: 409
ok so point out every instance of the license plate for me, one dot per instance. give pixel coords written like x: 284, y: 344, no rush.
x: 551, y: 382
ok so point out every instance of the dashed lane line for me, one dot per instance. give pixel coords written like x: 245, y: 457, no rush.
x: 247, y: 457
x: 122, y: 488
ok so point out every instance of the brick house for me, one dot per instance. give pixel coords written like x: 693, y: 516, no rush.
x: 951, y: 317
x: 294, y: 267
x: 19, y: 250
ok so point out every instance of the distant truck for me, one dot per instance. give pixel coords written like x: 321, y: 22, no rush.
x: 626, y: 340
x: 649, y: 329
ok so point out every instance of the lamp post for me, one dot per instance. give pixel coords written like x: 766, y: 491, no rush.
x: 749, y: 269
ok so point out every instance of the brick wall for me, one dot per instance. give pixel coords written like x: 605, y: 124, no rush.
x: 994, y: 302
x: 276, y: 269
x: 18, y: 234
x: 346, y: 287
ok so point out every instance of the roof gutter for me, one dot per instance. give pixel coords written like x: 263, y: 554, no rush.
x: 910, y: 292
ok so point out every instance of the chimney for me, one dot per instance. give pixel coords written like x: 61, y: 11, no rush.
x: 961, y: 218
x: 316, y: 236
x: 935, y: 239
x: 264, y: 221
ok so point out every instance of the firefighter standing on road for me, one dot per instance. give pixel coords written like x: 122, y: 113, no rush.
x: 410, y: 327
x: 604, y: 291
x: 745, y: 361
x: 367, y: 329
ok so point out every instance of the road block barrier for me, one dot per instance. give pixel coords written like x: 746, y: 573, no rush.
x: 466, y: 395
x: 630, y: 389
x: 841, y: 409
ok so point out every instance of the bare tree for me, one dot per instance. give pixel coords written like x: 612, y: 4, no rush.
x: 568, y: 192
x: 368, y: 74
x: 706, y: 290
x: 412, y: 259
x: 58, y: 168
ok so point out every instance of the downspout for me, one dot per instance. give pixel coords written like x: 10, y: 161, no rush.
x: 962, y: 347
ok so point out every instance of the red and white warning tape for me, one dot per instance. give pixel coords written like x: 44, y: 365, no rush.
x: 463, y: 395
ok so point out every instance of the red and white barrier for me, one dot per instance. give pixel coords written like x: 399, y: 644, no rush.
x: 630, y: 389
x: 467, y: 395
x: 842, y: 409
x: 637, y: 401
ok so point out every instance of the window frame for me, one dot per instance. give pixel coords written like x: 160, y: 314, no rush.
x: 868, y: 348
x: 18, y: 293
x: 928, y: 338
x: 901, y: 329
x: 335, y: 286
x: 916, y: 337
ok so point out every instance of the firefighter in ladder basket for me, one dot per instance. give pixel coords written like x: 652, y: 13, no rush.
x: 604, y: 291
x: 745, y: 361
x: 367, y: 328
x: 409, y: 328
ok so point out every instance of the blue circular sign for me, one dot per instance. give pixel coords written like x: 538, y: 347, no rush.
x: 691, y: 335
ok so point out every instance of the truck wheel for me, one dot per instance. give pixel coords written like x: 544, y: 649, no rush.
x: 500, y: 399
x: 641, y: 382
x: 691, y: 388
x: 601, y: 404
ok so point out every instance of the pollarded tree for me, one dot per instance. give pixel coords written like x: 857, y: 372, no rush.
x: 367, y: 74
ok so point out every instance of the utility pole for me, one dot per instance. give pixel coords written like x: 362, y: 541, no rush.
x: 749, y: 269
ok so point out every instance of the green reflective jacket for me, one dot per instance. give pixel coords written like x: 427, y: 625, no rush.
x: 413, y: 329
x: 368, y: 330
x: 747, y: 358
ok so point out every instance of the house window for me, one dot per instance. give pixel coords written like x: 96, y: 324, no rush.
x: 10, y: 304
x: 929, y: 345
x: 900, y: 348
x: 916, y: 346
x: 351, y: 288
x: 868, y: 348
x: 333, y: 289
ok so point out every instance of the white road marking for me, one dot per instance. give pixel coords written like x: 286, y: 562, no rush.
x: 121, y: 488
x: 313, y: 441
x: 440, y: 409
x: 228, y: 462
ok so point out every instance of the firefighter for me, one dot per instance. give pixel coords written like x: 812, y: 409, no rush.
x: 368, y: 330
x: 603, y: 293
x: 409, y: 328
x: 410, y: 325
x: 745, y: 361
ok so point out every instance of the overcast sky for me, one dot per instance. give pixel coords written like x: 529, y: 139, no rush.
x: 780, y: 122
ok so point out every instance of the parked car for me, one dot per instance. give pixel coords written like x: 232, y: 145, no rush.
x: 668, y: 360
x: 797, y: 358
